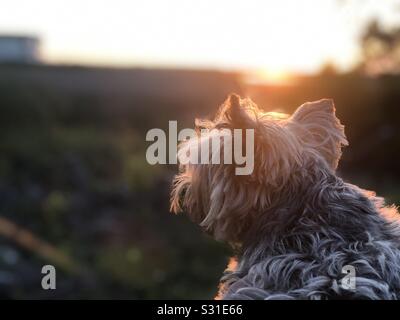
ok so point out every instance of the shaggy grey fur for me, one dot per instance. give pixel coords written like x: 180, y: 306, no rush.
x: 294, y: 223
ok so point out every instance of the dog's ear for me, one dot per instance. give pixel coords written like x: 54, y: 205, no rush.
x: 318, y: 128
x: 237, y: 113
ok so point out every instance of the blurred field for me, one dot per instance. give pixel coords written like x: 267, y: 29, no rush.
x: 76, y: 190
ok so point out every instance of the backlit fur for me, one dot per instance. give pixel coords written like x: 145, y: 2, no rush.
x: 293, y: 222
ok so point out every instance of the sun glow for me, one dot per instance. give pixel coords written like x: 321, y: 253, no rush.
x: 269, y: 76
x: 279, y: 77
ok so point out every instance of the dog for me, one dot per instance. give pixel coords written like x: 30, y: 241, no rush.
x: 296, y: 227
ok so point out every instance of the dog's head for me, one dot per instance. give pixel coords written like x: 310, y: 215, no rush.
x: 285, y: 150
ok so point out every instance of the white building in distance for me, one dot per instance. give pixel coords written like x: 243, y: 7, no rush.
x: 19, y: 49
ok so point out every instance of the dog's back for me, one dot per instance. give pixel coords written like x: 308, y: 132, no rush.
x: 339, y: 245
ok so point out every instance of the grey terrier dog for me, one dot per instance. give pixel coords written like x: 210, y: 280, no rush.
x: 295, y: 225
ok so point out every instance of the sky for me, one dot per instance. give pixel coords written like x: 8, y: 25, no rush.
x: 277, y: 36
